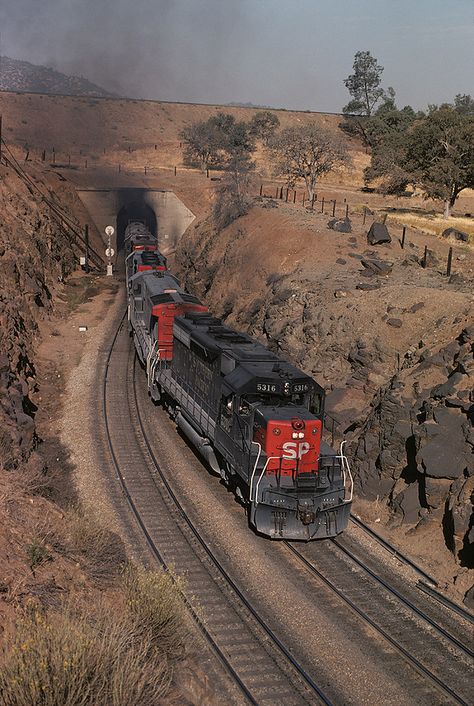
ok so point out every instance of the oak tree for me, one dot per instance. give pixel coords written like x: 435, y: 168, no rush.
x: 307, y: 153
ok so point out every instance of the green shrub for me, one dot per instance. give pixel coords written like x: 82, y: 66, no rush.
x: 37, y: 553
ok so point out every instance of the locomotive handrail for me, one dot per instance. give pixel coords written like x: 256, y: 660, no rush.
x: 255, y: 466
x: 346, y: 469
x: 270, y: 458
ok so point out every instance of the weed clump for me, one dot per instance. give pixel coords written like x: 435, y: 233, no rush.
x: 120, y: 653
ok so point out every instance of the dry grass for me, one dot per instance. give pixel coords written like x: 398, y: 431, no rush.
x: 102, y: 551
x: 120, y: 654
x: 434, y: 224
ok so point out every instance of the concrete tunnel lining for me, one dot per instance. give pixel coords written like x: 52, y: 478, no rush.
x: 171, y: 216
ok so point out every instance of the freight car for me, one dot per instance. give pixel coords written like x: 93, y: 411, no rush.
x: 255, y: 418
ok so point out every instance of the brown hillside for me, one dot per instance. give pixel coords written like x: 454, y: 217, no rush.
x: 109, y: 131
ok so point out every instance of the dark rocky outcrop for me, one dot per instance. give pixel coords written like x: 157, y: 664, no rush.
x: 378, y: 234
x: 416, y: 448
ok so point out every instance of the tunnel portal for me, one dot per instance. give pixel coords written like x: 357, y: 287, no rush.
x: 134, y: 211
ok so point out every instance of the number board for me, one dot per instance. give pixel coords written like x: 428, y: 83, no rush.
x: 301, y: 387
x: 268, y: 388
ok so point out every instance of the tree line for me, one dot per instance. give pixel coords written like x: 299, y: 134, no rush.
x: 430, y: 150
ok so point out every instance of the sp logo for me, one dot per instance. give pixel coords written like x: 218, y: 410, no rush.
x: 292, y: 449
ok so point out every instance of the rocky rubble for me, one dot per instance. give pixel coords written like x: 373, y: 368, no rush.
x: 34, y: 256
x: 417, y: 445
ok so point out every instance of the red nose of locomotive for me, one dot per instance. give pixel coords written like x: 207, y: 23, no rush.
x: 292, y: 446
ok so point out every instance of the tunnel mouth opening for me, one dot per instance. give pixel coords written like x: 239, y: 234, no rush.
x: 135, y: 210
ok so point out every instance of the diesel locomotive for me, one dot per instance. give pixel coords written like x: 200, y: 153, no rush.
x: 255, y: 418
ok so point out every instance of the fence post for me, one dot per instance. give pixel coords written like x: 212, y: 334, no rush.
x: 423, y: 264
x: 450, y: 260
x: 286, y: 197
x: 403, y: 237
x: 281, y: 194
x: 322, y: 205
x: 145, y: 168
x: 294, y: 196
x: 365, y: 216
x: 261, y: 189
x: 347, y: 210
x: 120, y: 168
x: 334, y: 208
x: 276, y: 195
x: 175, y: 171
x: 85, y: 164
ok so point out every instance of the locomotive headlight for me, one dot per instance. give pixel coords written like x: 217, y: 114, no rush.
x: 301, y: 435
x: 276, y: 431
x: 294, y: 435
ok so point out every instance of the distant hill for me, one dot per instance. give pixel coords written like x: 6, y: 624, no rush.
x: 16, y: 75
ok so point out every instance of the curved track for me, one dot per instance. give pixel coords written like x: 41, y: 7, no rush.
x: 255, y: 659
x: 431, y: 649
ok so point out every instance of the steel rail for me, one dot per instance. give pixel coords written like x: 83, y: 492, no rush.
x: 465, y: 614
x: 411, y: 658
x: 151, y: 544
x: 393, y: 550
x: 228, y: 579
x: 432, y: 623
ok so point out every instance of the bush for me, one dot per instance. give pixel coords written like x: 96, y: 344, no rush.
x: 117, y: 655
x: 37, y: 553
x: 102, y: 550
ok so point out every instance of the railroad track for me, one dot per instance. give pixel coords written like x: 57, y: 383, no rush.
x: 254, y: 658
x: 426, y: 583
x: 438, y: 655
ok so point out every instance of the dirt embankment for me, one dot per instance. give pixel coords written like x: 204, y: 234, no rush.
x: 391, y: 341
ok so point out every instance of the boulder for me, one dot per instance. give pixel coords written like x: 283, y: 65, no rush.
x: 408, y: 503
x: 378, y: 234
x: 379, y: 267
x: 366, y: 287
x: 456, y: 234
x: 342, y: 225
x: 395, y: 323
x: 469, y: 599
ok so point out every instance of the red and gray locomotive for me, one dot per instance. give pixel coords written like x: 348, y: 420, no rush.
x: 255, y: 418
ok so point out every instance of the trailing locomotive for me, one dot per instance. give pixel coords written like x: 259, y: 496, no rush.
x: 144, y: 260
x: 256, y: 419
x: 138, y: 238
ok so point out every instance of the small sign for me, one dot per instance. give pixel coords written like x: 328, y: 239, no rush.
x: 110, y: 252
x: 109, y: 230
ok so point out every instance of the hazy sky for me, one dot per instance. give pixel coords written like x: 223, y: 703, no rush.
x: 283, y: 53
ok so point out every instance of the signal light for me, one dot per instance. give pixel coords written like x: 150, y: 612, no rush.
x: 297, y: 424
